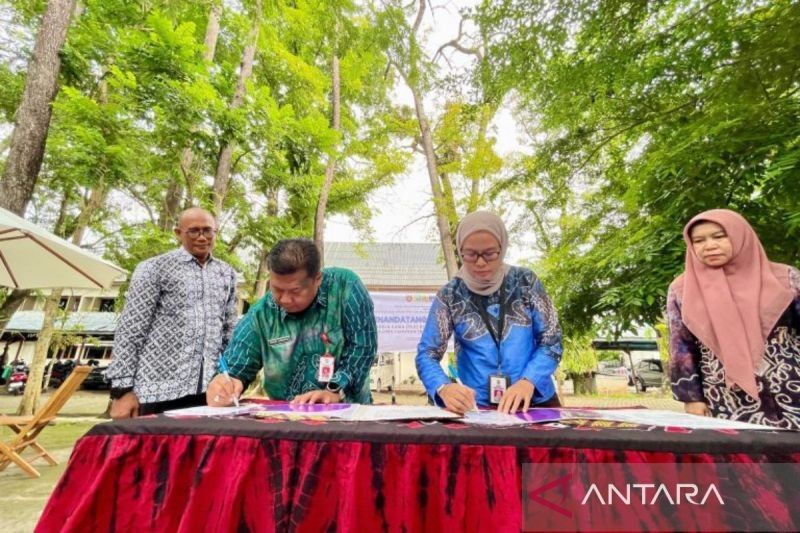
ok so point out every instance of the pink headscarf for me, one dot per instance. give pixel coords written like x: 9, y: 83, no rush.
x: 489, y: 222
x: 733, y: 309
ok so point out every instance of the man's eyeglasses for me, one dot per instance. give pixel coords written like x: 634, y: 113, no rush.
x: 196, y: 232
x: 472, y: 257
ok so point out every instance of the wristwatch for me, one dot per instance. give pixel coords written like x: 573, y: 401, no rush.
x: 335, y: 388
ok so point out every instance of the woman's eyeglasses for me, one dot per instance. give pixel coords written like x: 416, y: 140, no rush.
x: 472, y: 257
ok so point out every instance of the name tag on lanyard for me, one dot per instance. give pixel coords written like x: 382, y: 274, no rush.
x: 498, y: 382
x: 326, y: 362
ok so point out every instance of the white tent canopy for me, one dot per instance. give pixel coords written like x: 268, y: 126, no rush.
x: 33, y: 258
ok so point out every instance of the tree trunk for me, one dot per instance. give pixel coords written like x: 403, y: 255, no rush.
x: 175, y: 191
x: 583, y: 384
x: 33, y: 387
x: 33, y: 115
x: 262, y: 277
x: 330, y: 168
x: 439, y: 204
x: 223, y: 172
x: 449, y: 206
x: 97, y: 198
x: 487, y: 112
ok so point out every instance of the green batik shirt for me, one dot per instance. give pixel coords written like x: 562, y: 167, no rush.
x: 288, y: 346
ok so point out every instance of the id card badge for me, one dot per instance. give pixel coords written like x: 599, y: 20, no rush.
x: 498, y: 383
x: 326, y: 364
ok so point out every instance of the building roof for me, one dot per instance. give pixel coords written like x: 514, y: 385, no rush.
x: 384, y: 265
x: 89, y: 323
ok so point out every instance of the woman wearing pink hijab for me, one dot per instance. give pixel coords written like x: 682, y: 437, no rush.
x: 734, y: 320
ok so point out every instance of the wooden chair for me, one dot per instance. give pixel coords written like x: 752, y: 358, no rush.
x: 28, y: 428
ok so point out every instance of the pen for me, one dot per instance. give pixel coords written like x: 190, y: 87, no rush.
x: 475, y: 405
x: 223, y: 367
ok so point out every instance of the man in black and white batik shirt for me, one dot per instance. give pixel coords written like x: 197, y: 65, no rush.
x: 179, y: 314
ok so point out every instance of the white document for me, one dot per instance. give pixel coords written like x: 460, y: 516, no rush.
x: 671, y: 418
x: 205, y: 410
x: 493, y: 418
x: 367, y: 413
x: 305, y: 410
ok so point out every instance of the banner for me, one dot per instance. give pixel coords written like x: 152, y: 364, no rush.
x: 401, y: 316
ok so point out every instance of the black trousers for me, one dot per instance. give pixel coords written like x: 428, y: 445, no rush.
x: 179, y: 403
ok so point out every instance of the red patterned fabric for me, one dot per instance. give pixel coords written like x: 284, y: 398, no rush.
x: 206, y: 482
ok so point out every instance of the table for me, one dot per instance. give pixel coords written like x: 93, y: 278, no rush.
x: 163, y: 474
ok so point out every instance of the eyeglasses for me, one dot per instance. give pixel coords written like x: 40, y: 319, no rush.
x: 195, y: 232
x: 472, y: 257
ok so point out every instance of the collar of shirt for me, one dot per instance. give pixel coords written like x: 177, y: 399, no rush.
x: 185, y: 256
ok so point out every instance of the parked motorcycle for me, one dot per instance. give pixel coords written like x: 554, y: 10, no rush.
x: 17, y: 379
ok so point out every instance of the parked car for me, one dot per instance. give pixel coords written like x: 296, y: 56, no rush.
x: 61, y: 369
x: 649, y: 373
x: 96, y: 380
x: 612, y: 368
x: 381, y: 375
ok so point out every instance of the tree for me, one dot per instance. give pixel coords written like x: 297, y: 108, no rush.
x: 222, y: 175
x: 641, y: 115
x: 33, y: 115
x: 405, y: 58
x: 32, y: 122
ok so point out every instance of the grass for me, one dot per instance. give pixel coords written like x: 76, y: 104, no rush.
x: 24, y: 498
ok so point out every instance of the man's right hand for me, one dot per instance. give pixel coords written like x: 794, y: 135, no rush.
x: 125, y: 407
x: 457, y: 398
x: 696, y: 408
x: 221, y: 391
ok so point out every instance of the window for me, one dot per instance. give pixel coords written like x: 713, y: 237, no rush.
x: 69, y: 303
x: 97, y: 352
x: 107, y: 305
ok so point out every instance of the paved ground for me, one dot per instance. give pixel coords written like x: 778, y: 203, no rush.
x: 23, y: 499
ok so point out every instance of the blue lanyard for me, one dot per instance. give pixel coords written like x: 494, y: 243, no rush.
x: 497, y: 336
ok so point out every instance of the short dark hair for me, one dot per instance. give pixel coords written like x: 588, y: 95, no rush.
x: 291, y: 255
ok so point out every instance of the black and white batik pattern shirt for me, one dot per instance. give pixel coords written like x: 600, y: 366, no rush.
x: 177, y: 320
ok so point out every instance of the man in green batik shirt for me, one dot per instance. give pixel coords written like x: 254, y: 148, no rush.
x: 314, y: 334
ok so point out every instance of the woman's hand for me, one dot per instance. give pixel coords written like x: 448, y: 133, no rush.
x: 518, y: 395
x: 697, y: 408
x: 457, y: 398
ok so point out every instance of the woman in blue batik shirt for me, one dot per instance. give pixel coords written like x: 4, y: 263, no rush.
x: 507, y: 338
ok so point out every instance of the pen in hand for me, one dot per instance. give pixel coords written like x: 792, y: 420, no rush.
x: 223, y: 367
x: 475, y: 403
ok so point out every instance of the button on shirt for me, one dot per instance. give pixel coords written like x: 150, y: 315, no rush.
x: 177, y: 320
x: 288, y: 346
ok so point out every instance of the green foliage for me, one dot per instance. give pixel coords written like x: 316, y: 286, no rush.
x: 643, y: 114
x: 579, y: 356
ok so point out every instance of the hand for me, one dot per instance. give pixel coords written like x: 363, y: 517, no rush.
x: 125, y: 407
x: 517, y: 395
x: 457, y: 398
x: 221, y: 391
x: 317, y: 396
x: 697, y: 408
